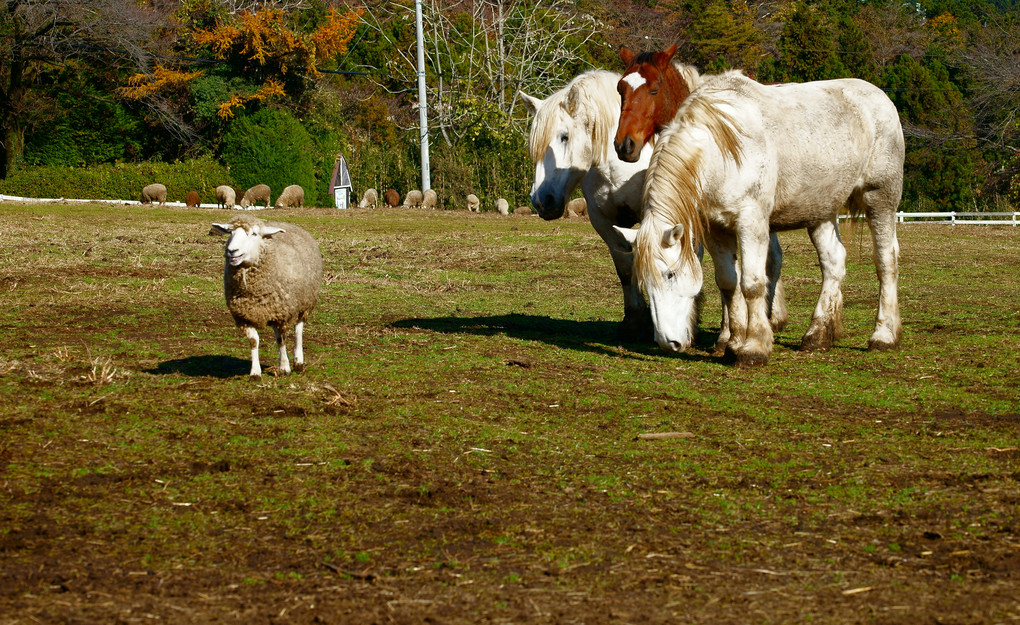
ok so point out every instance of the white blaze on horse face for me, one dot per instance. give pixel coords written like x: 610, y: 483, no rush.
x: 634, y: 79
x: 674, y: 302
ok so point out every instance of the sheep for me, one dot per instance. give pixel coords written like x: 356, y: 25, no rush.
x: 429, y: 199
x: 502, y: 206
x: 225, y: 196
x: 271, y: 276
x: 577, y: 207
x: 392, y: 198
x: 192, y: 199
x: 292, y: 196
x: 413, y: 199
x: 258, y: 193
x: 154, y: 192
x: 472, y: 202
x: 370, y: 199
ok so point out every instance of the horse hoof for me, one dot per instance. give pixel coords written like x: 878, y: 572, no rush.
x: 752, y: 359
x: 255, y: 377
x: 299, y: 367
x: 816, y: 342
x: 881, y: 346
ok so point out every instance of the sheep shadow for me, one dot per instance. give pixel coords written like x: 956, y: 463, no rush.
x: 204, y: 367
x: 598, y: 337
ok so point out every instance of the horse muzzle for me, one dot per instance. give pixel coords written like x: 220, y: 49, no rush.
x: 627, y: 150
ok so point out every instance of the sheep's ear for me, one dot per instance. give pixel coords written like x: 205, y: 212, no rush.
x: 221, y: 229
x: 268, y: 231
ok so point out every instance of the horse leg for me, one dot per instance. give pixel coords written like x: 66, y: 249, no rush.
x: 777, y: 292
x: 757, y: 345
x: 637, y: 317
x: 827, y: 321
x: 722, y: 247
x: 882, y: 224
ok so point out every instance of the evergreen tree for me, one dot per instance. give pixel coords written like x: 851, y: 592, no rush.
x: 807, y: 50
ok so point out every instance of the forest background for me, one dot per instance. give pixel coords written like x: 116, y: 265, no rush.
x: 98, y: 97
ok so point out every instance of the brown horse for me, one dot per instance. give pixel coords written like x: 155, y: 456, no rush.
x: 652, y: 89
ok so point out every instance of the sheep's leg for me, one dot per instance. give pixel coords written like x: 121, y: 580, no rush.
x: 299, y: 352
x: 253, y: 340
x: 281, y: 344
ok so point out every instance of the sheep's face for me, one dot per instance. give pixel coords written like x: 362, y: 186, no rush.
x: 245, y: 240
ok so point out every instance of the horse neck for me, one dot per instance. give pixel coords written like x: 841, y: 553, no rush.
x: 673, y: 92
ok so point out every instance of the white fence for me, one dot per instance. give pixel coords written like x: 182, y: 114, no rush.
x: 956, y: 217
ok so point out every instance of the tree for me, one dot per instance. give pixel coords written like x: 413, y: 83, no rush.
x: 36, y: 36
x: 806, y: 48
x: 724, y: 36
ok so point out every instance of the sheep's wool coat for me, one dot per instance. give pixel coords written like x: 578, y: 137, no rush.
x: 282, y: 287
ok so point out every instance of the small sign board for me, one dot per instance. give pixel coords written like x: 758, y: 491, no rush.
x: 340, y: 187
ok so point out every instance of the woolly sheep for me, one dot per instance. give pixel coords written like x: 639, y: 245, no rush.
x: 225, y: 196
x: 154, y: 192
x: 503, y: 206
x: 472, y: 202
x: 577, y: 207
x: 292, y: 196
x: 392, y: 198
x: 370, y: 199
x: 192, y: 199
x: 413, y: 199
x: 429, y: 199
x: 271, y: 277
x: 256, y: 194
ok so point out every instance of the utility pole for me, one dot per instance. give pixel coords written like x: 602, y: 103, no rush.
x: 423, y: 118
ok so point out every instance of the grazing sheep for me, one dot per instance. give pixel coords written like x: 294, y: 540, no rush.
x: 292, y: 196
x: 429, y: 199
x: 370, y: 199
x: 225, y: 196
x: 472, y: 202
x: 577, y: 207
x: 256, y: 194
x: 154, y: 192
x: 192, y: 199
x: 502, y: 206
x: 271, y: 276
x: 522, y: 211
x: 392, y: 198
x: 413, y: 199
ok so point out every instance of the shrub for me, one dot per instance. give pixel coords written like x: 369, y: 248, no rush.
x: 119, y: 181
x: 270, y: 147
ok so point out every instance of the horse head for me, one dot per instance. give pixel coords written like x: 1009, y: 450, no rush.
x: 669, y: 276
x: 651, y: 91
x: 560, y: 143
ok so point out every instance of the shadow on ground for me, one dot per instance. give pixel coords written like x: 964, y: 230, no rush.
x: 592, y: 336
x: 204, y: 366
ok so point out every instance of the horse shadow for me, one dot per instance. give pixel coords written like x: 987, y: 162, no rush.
x: 598, y: 337
x: 208, y: 366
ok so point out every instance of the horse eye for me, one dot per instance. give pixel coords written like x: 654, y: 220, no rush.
x: 653, y: 91
x: 564, y: 137
x: 670, y: 275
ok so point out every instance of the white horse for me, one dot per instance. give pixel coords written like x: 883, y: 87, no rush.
x: 570, y: 140
x: 741, y: 158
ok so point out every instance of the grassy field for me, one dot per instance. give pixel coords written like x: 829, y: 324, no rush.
x: 464, y: 445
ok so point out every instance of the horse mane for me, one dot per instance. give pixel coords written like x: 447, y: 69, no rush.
x: 672, y: 189
x: 591, y: 94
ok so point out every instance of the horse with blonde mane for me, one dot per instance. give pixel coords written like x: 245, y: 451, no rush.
x: 652, y: 88
x: 740, y: 160
x: 570, y: 141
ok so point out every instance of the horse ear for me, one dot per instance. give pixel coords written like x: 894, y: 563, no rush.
x: 533, y: 104
x: 663, y: 58
x: 626, y: 56
x: 626, y: 237
x: 673, y: 236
